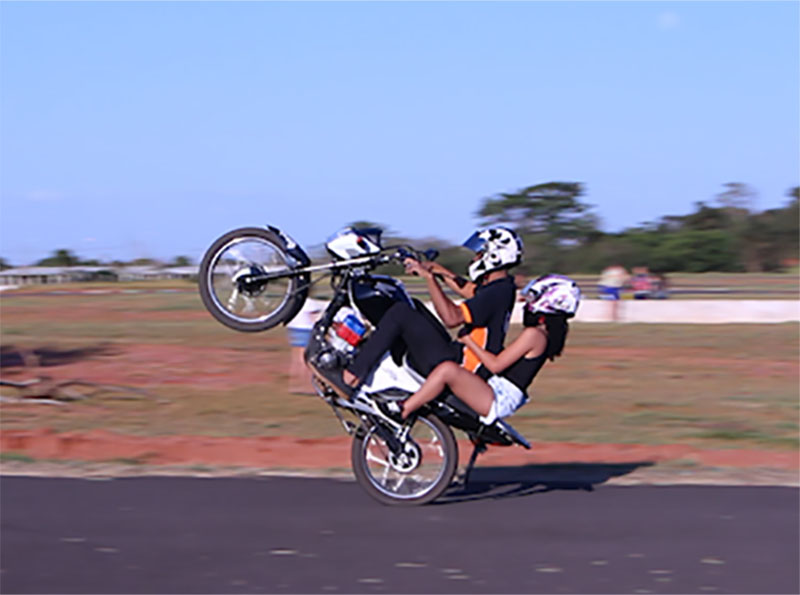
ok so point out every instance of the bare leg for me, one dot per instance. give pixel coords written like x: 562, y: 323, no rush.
x: 465, y: 385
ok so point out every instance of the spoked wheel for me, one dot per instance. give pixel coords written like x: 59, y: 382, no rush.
x: 232, y: 284
x: 417, y: 475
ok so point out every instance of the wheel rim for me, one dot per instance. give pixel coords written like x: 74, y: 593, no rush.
x: 422, y: 478
x: 236, y: 256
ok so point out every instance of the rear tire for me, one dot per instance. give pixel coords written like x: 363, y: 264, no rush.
x: 433, y: 474
x: 238, y: 252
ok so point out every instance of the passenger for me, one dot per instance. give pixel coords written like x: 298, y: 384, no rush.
x: 485, y: 314
x: 550, y: 301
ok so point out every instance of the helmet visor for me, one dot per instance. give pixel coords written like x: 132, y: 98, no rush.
x: 475, y: 242
x: 531, y: 292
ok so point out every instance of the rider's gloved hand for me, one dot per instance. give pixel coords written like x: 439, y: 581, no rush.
x: 415, y: 267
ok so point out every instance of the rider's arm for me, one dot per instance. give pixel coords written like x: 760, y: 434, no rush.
x: 450, y: 314
x: 530, y: 340
x: 460, y: 285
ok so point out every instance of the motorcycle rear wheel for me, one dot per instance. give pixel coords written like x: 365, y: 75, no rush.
x: 238, y: 253
x: 427, y: 480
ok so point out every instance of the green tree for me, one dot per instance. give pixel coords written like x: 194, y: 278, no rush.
x: 696, y: 252
x: 181, y: 261
x: 60, y: 258
x: 775, y: 234
x: 551, y: 219
x: 144, y: 262
x: 4, y: 264
x: 704, y: 218
x: 736, y: 202
x: 737, y: 196
x: 387, y: 234
x: 552, y: 208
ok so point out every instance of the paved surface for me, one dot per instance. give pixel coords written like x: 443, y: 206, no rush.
x: 295, y: 535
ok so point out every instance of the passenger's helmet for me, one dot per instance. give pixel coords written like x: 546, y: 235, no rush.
x: 497, y: 248
x: 352, y: 243
x: 552, y: 294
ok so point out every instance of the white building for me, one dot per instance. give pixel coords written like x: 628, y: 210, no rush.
x: 42, y: 275
x: 49, y: 275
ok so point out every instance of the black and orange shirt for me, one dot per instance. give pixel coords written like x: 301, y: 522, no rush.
x: 486, y: 316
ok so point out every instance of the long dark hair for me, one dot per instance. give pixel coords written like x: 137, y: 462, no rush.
x: 557, y: 329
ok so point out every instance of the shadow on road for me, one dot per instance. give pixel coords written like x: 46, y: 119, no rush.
x: 526, y: 480
x: 11, y: 356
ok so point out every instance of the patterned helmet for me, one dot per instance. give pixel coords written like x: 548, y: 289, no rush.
x: 497, y: 248
x: 552, y: 294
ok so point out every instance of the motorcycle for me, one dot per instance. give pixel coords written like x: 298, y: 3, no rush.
x: 256, y: 278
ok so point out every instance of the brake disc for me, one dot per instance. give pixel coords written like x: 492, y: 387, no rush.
x: 406, y: 461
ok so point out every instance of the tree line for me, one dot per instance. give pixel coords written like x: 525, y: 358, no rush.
x: 67, y: 258
x: 723, y: 234
x: 563, y: 233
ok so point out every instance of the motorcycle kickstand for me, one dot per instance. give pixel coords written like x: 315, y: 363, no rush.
x: 480, y: 447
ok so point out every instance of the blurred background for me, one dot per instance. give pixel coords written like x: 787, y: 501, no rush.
x: 653, y: 146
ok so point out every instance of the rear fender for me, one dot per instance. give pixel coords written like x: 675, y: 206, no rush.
x: 455, y: 413
x: 292, y: 248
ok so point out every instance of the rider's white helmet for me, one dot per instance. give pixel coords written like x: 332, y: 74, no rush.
x: 352, y: 243
x: 552, y: 294
x: 497, y: 248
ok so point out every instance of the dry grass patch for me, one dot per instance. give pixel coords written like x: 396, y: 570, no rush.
x: 714, y: 386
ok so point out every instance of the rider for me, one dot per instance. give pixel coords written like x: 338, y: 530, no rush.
x: 549, y: 302
x: 485, y: 314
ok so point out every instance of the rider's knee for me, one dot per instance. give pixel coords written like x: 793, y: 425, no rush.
x: 446, y: 370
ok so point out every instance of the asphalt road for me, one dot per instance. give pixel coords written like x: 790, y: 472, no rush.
x: 294, y: 535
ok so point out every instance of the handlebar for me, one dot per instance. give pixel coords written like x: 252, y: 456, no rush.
x: 404, y: 252
x: 387, y: 255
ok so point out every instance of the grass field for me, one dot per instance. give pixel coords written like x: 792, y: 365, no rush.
x: 682, y: 285
x: 715, y: 386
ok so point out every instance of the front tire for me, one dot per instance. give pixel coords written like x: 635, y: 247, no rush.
x: 254, y: 307
x: 418, y: 479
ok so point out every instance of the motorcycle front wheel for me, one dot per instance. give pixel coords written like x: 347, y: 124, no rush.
x: 225, y: 286
x: 418, y: 475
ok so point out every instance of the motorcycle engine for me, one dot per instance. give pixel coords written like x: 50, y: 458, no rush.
x: 342, y: 340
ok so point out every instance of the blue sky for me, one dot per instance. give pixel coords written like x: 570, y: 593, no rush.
x: 133, y: 129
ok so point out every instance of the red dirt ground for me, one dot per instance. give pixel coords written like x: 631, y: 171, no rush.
x: 329, y: 453
x: 176, y: 364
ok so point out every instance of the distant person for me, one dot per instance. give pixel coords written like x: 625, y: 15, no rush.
x: 660, y: 286
x: 612, y: 281
x: 642, y: 283
x: 299, y: 329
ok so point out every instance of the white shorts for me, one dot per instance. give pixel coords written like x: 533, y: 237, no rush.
x: 507, y: 399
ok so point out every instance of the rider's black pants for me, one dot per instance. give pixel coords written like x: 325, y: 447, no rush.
x: 427, y: 341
